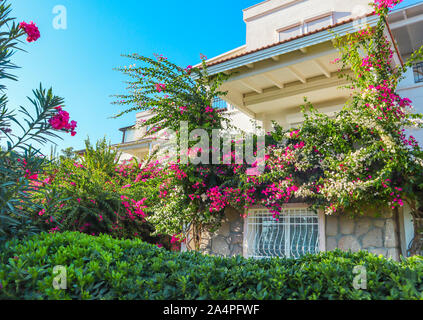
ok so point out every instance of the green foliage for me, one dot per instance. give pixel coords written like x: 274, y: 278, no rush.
x: 106, y: 268
x: 68, y: 153
x: 99, y: 195
x: 359, y: 157
x: 175, y: 96
x: 100, y: 157
x: 20, y: 161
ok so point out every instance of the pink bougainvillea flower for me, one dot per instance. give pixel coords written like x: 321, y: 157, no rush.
x: 387, y: 3
x: 294, y: 133
x: 188, y: 69
x: 31, y: 30
x: 160, y: 87
x: 183, y: 109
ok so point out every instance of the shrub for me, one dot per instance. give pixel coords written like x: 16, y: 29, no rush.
x: 100, y: 196
x: 22, y: 133
x: 106, y: 268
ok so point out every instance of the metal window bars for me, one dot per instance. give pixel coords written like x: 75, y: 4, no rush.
x: 418, y: 72
x: 294, y: 234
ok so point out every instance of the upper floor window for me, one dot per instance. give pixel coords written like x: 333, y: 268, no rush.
x: 319, y: 23
x: 418, y: 72
x: 308, y: 25
x: 290, y: 32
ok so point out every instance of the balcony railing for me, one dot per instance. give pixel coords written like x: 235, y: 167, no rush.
x: 418, y: 72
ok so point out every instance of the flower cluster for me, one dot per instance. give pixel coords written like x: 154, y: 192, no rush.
x: 61, y: 121
x: 31, y: 30
x: 160, y: 87
x: 381, y: 4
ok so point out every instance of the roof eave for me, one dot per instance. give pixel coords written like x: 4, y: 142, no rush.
x: 290, y: 46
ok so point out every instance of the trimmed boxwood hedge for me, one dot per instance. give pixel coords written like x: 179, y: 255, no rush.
x: 106, y: 268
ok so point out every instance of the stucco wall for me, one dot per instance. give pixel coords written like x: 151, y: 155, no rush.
x: 375, y: 232
x: 266, y: 17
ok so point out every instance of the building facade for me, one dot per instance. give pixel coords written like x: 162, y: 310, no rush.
x: 287, y: 56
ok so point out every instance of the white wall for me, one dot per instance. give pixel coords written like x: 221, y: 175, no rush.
x: 264, y: 19
x: 241, y: 121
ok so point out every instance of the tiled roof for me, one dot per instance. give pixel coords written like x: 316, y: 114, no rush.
x: 287, y: 40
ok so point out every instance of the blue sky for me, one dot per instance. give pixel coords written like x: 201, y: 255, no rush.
x: 78, y: 62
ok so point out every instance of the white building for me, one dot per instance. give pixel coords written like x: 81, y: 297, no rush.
x: 287, y: 56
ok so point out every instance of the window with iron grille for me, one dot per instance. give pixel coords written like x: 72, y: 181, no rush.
x: 294, y: 234
x: 418, y: 72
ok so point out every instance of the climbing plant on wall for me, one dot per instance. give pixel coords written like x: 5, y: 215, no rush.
x: 361, y: 157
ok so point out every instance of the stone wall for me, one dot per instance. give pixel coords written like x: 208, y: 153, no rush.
x: 376, y: 233
x: 227, y: 241
x: 372, y: 232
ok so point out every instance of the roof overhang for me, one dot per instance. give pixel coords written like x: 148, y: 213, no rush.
x: 293, y: 45
x: 271, y: 82
x: 140, y: 144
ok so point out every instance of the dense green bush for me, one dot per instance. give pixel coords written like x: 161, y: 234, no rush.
x: 106, y: 268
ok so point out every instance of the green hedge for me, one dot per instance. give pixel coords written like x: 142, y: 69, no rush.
x: 106, y: 268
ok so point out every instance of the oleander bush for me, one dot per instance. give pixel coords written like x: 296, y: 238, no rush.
x: 106, y: 268
x: 100, y: 195
x: 23, y: 131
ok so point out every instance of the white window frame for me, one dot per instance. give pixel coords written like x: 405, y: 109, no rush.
x: 280, y: 30
x: 318, y: 17
x: 289, y: 207
x: 303, y: 24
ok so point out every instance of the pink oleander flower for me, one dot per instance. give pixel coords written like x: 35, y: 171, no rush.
x: 42, y: 212
x: 61, y: 121
x: 31, y: 176
x: 47, y: 180
x: 31, y: 30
